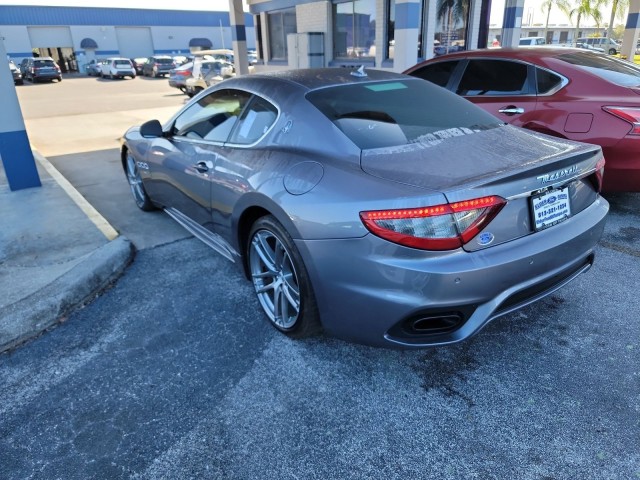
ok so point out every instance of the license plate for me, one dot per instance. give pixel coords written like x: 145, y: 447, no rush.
x: 550, y: 208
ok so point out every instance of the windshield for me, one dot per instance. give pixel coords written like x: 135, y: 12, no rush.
x: 400, y: 112
x: 613, y: 70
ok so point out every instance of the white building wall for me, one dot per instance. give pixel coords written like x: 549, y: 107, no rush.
x: 316, y: 17
x: 16, y: 41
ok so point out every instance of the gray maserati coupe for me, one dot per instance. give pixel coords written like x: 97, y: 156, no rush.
x: 375, y: 206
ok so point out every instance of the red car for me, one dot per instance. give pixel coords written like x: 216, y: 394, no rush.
x: 564, y: 92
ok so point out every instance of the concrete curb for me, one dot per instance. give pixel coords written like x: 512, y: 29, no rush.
x: 50, y: 305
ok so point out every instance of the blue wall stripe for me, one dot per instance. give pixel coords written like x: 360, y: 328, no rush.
x: 21, y: 54
x: 238, y: 34
x: 17, y: 158
x: 272, y: 5
x: 510, y: 15
x: 407, y: 15
x: 632, y: 20
x: 107, y: 52
x: 50, y: 16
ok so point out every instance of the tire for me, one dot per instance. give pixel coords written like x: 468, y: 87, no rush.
x: 137, y: 187
x: 612, y: 51
x: 281, y: 280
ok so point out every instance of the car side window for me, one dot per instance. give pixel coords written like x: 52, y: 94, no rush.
x: 438, y: 73
x: 546, y: 81
x: 493, y: 77
x: 255, y: 122
x: 212, y: 117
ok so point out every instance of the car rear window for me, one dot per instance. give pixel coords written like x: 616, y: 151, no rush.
x: 123, y: 63
x: 399, y: 112
x: 608, y: 68
x: 43, y: 63
x: 163, y: 60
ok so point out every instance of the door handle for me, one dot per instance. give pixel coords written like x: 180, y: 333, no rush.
x: 204, y: 166
x: 511, y: 110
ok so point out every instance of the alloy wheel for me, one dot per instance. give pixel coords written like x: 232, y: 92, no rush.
x: 275, y: 280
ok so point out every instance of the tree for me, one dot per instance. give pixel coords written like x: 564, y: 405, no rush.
x: 547, y: 5
x: 585, y: 8
x: 618, y: 8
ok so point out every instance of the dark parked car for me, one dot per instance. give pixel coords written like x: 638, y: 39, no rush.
x: 138, y: 63
x: 376, y: 205
x: 17, y: 76
x: 159, y: 65
x: 564, y: 92
x: 41, y: 68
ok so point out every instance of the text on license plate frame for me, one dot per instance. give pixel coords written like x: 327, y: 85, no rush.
x: 550, y: 208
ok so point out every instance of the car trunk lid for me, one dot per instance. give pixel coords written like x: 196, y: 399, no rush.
x: 525, y: 168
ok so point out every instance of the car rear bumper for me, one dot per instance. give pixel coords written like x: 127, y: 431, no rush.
x: 378, y: 293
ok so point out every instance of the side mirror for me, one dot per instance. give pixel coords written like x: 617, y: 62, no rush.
x: 151, y: 129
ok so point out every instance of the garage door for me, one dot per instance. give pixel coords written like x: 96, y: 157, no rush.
x: 134, y: 42
x: 46, y: 37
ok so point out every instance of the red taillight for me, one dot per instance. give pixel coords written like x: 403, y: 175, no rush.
x: 628, y: 114
x: 441, y: 227
x: 598, y: 175
x: 183, y: 73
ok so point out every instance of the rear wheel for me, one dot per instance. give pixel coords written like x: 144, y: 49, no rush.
x: 280, y: 279
x: 137, y: 188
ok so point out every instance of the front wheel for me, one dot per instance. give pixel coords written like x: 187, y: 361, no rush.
x: 280, y: 279
x: 137, y: 188
x: 612, y: 51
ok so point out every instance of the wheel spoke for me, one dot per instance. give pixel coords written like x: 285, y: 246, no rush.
x: 265, y: 252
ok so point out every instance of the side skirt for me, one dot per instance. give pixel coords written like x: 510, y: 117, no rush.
x: 209, y: 238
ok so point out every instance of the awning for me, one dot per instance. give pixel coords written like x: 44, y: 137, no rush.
x: 88, y: 43
x: 204, y: 43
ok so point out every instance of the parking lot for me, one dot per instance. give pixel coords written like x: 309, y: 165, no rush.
x: 174, y: 372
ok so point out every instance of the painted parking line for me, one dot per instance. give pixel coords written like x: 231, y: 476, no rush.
x: 98, y: 220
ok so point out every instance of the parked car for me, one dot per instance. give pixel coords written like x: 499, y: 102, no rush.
x: 376, y: 205
x: 138, y: 63
x: 607, y: 44
x: 159, y: 65
x: 206, y: 73
x: 117, y: 68
x: 41, y: 68
x: 15, y: 72
x: 178, y: 76
x: 532, y: 41
x: 93, y: 68
x: 565, y: 92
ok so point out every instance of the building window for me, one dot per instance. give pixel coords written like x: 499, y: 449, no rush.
x: 452, y: 19
x: 258, y: 23
x: 354, y: 26
x: 391, y: 29
x: 281, y: 23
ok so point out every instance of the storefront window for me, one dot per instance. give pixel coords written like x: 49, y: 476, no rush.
x: 355, y: 30
x: 281, y: 23
x: 452, y: 18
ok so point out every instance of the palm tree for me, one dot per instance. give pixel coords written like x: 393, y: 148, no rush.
x: 585, y: 8
x: 617, y: 9
x: 547, y: 5
x: 451, y: 12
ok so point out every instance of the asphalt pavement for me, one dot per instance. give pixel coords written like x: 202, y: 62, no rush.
x: 56, y: 253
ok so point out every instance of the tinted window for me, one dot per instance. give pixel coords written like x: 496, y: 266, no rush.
x: 126, y: 63
x: 546, y: 81
x: 212, y: 117
x: 43, y: 63
x: 494, y: 77
x: 163, y: 60
x: 255, y: 122
x: 610, y: 69
x: 438, y: 73
x: 392, y: 113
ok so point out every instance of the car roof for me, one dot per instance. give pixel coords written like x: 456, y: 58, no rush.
x: 519, y: 53
x: 315, y: 78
